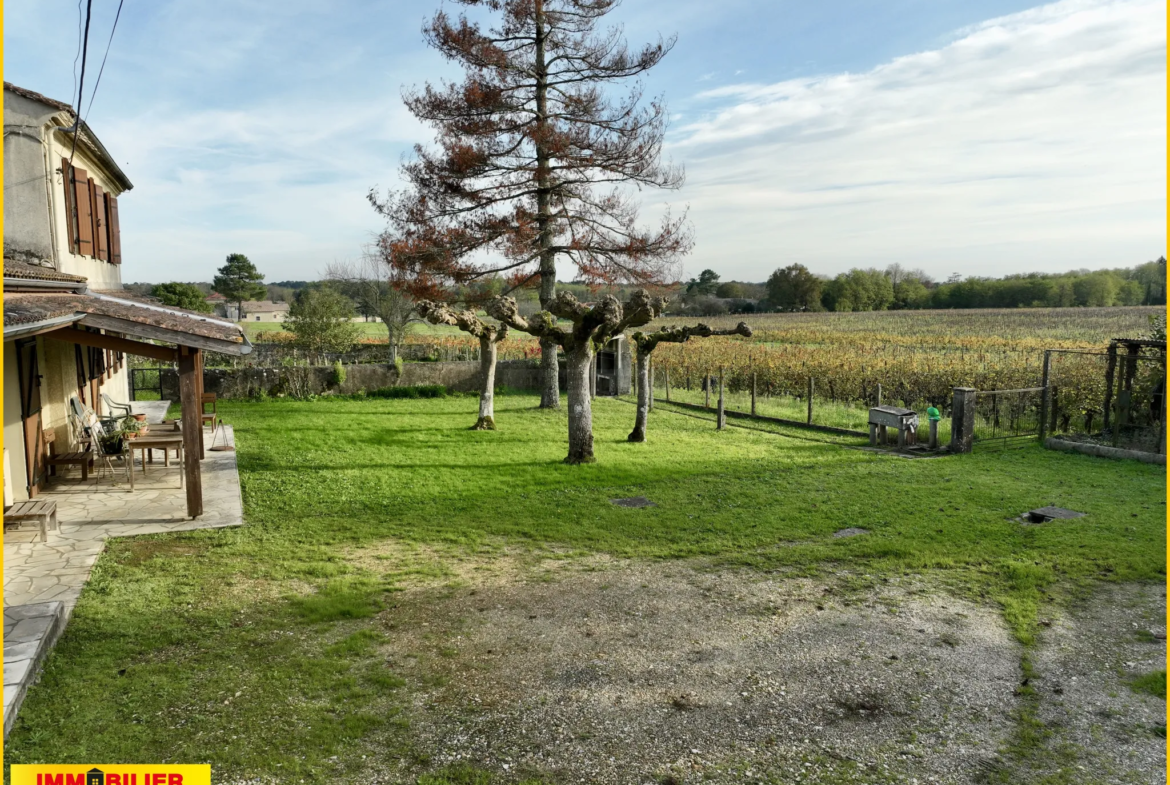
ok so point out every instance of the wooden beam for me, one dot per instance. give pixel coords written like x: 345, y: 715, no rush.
x: 71, y: 335
x: 162, y: 334
x: 199, y: 397
x: 192, y: 430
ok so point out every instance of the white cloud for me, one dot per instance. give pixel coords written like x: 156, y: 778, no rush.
x: 1035, y: 141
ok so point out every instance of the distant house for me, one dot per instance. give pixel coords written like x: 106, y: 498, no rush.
x: 264, y: 311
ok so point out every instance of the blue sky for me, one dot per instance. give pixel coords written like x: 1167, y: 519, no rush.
x: 980, y: 138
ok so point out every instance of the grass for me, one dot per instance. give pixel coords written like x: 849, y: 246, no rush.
x: 252, y: 648
x: 1153, y: 683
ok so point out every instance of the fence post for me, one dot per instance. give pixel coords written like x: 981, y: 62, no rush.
x: 810, y: 399
x: 1044, y: 378
x: 1110, y: 369
x: 667, y: 372
x: 707, y: 391
x: 963, y: 419
x: 753, y: 393
x: 879, y: 394
x: 721, y: 418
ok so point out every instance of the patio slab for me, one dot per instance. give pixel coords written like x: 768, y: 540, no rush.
x: 29, y: 633
x: 39, y: 575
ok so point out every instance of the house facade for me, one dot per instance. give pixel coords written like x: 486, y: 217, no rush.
x: 68, y: 325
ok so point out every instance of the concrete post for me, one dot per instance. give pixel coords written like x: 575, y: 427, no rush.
x: 963, y: 419
x: 810, y: 399
x: 934, y: 434
x: 753, y: 393
x: 721, y: 418
x: 1044, y: 396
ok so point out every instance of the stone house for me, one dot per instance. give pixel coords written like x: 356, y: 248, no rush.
x: 68, y: 324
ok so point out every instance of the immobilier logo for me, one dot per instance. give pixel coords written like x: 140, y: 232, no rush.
x: 113, y: 774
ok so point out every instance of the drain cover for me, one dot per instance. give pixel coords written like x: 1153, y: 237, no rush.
x: 634, y: 501
x: 1045, y: 514
x: 852, y: 531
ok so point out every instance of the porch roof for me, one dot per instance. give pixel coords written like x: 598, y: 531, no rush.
x: 26, y: 313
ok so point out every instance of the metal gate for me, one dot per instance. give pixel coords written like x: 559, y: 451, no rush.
x: 145, y: 384
x: 1007, y: 418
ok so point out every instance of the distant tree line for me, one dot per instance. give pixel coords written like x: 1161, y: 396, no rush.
x: 796, y: 288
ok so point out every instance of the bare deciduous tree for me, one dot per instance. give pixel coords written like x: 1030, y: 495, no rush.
x: 489, y: 335
x: 591, y: 327
x: 533, y: 159
x: 368, y: 283
x: 647, y: 343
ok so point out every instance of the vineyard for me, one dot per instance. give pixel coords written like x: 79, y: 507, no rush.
x: 917, y: 357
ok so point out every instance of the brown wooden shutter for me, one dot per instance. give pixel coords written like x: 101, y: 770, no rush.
x: 70, y: 208
x: 81, y: 183
x: 99, y: 224
x: 115, y: 232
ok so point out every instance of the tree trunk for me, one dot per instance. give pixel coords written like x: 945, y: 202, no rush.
x: 550, y: 387
x: 550, y: 376
x: 642, y: 368
x: 579, y: 361
x: 487, y: 395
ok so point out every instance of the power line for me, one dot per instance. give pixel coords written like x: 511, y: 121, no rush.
x: 107, y: 54
x: 81, y: 81
x: 76, y: 57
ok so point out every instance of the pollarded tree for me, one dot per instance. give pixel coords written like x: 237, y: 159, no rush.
x: 591, y: 327
x: 489, y: 335
x: 533, y: 160
x: 647, y: 343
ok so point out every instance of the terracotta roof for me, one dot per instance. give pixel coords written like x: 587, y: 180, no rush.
x: 20, y: 308
x: 34, y: 96
x: 85, y: 133
x: 261, y: 306
x: 18, y: 269
x: 18, y: 312
x: 215, y: 296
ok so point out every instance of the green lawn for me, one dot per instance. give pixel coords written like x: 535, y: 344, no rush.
x: 246, y: 647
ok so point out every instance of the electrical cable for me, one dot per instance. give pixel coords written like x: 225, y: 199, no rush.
x: 81, y: 81
x: 101, y: 70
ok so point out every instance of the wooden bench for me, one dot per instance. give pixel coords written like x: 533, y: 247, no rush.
x: 43, y: 512
x: 82, y: 458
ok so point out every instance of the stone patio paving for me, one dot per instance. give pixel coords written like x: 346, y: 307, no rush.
x: 37, y: 575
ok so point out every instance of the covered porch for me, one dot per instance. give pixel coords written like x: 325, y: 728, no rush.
x: 46, y: 325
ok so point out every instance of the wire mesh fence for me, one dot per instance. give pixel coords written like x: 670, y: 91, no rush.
x: 1115, y: 398
x: 809, y: 405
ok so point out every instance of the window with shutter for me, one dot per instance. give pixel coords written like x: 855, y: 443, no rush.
x: 82, y: 206
x: 99, y: 224
x: 115, y: 232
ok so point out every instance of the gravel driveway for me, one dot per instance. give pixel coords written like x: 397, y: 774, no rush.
x: 625, y: 672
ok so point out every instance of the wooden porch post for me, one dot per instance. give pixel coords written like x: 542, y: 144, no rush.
x: 192, y: 428
x: 199, y: 397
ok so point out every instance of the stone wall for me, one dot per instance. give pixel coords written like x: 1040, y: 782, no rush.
x: 456, y: 376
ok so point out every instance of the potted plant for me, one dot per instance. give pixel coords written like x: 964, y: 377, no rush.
x: 131, y: 427
x: 111, y: 443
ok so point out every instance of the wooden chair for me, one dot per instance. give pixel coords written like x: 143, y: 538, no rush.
x: 206, y: 416
x: 44, y: 513
x: 82, y: 458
